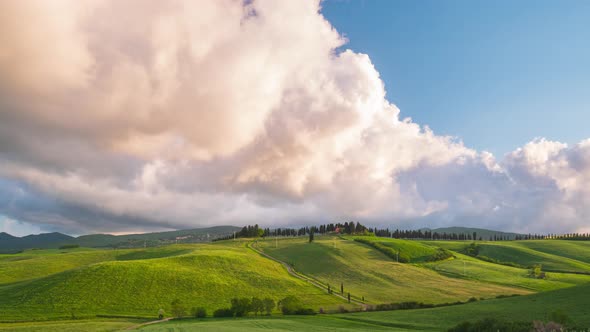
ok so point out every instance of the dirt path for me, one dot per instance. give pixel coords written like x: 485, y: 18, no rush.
x: 135, y: 327
x: 302, y: 276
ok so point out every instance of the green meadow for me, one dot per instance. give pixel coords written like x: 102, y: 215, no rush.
x: 76, y: 289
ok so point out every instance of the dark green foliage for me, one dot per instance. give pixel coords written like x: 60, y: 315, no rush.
x: 269, y: 305
x: 69, y: 246
x: 241, y: 306
x: 472, y: 250
x: 291, y: 305
x: 199, y: 312
x: 177, y: 308
x: 492, y: 325
x: 311, y: 237
x: 223, y: 312
x: 439, y: 255
x: 559, y: 316
x: 256, y: 306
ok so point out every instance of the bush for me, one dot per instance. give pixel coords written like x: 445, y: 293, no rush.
x: 199, y: 312
x: 291, y: 305
x: 241, y: 306
x: 269, y: 305
x: 177, y: 309
x: 223, y: 312
x: 439, y: 255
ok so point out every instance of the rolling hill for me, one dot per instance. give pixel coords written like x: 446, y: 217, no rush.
x: 134, y: 282
x: 366, y: 272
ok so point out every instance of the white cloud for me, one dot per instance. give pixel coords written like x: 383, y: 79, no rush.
x: 184, y: 114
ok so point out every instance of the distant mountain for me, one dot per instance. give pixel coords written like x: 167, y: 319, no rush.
x: 9, y: 243
x: 485, y: 234
x: 138, y: 240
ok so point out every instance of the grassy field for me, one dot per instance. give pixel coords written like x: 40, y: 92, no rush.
x: 81, y: 283
x: 467, y: 267
x: 203, y: 275
x: 574, y: 301
x: 93, y: 325
x: 553, y: 255
x: 415, y: 251
x: 367, y: 272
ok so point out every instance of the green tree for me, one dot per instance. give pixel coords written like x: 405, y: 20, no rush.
x: 178, y: 309
x: 240, y: 306
x: 342, y: 288
x: 290, y: 305
x: 310, y: 236
x: 256, y: 306
x: 269, y: 305
x: 199, y: 312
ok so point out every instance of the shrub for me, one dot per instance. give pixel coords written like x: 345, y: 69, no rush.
x: 223, y: 312
x: 199, y: 312
x: 241, y: 306
x: 269, y: 305
x: 177, y: 309
x: 291, y: 305
x: 440, y: 254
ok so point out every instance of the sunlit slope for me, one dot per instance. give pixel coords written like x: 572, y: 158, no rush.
x: 32, y: 264
x: 574, y: 301
x: 209, y: 276
x: 578, y: 250
x: 467, y: 267
x: 556, y: 255
x: 415, y: 251
x: 367, y: 272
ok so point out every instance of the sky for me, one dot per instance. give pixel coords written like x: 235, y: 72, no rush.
x: 495, y: 74
x: 134, y: 116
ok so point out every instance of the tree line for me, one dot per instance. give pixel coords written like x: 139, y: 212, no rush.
x: 356, y: 228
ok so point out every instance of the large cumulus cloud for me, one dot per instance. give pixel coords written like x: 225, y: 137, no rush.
x: 129, y: 115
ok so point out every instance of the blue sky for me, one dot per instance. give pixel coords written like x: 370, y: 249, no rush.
x: 495, y: 74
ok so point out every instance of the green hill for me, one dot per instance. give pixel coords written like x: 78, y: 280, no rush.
x: 553, y: 255
x: 368, y: 273
x: 207, y: 275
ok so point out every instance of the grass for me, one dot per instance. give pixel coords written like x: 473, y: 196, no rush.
x: 367, y: 272
x: 207, y: 276
x: 575, y: 301
x: 289, y: 323
x: 56, y: 284
x: 553, y: 255
x: 415, y: 251
x: 94, y: 325
x: 467, y: 267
